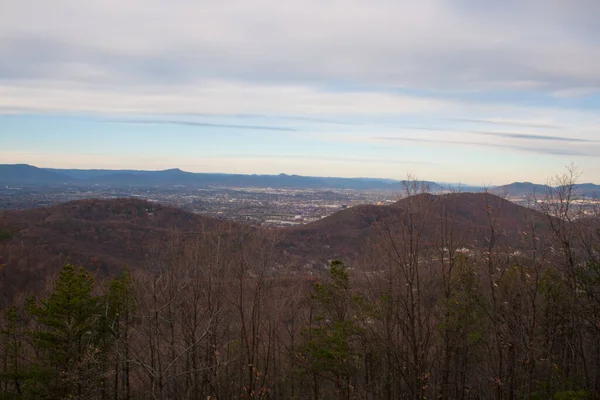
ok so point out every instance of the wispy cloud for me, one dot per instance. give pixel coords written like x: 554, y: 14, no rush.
x: 541, y: 150
x: 524, y: 124
x: 210, y: 97
x: 202, y: 124
x: 384, y: 160
x: 509, y: 135
x: 532, y: 136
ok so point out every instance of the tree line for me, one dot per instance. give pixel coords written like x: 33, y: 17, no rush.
x: 413, y: 319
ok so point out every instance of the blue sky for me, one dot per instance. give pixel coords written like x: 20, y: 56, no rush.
x: 482, y: 92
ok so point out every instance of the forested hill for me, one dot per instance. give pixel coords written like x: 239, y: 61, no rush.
x: 452, y: 296
x: 105, y: 235
x: 469, y: 217
x: 110, y: 233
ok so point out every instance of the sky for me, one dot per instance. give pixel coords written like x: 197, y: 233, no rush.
x: 471, y: 91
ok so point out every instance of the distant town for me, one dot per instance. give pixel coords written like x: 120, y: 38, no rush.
x: 262, y: 200
x: 256, y: 206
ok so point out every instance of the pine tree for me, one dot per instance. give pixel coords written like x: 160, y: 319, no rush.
x: 331, y: 348
x: 13, y: 372
x: 120, y: 306
x: 67, y: 338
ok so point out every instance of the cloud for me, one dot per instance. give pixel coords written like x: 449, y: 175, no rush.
x: 576, y: 92
x: 525, y: 124
x: 531, y: 136
x: 343, y: 159
x: 441, y: 45
x: 209, y: 97
x: 202, y: 124
x: 509, y: 135
x: 561, y: 151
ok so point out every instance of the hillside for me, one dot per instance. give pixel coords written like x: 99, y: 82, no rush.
x: 103, y: 235
x: 346, y: 233
x: 111, y: 233
x: 231, y: 281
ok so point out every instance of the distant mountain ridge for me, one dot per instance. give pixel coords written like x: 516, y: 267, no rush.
x: 23, y: 174
x: 27, y: 175
x: 522, y: 189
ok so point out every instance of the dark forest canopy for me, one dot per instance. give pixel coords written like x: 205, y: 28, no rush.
x: 457, y: 297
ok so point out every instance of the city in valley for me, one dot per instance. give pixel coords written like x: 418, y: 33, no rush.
x: 256, y: 206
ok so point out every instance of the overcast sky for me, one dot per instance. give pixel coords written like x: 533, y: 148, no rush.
x: 476, y: 91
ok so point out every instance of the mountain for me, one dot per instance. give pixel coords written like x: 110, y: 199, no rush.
x: 27, y: 175
x: 523, y: 189
x: 120, y: 229
x: 461, y: 187
x: 519, y: 189
x: 348, y: 233
x: 84, y: 174
x: 588, y: 189
x: 107, y: 234
x: 23, y: 174
x: 283, y: 181
x: 103, y: 235
x: 144, y: 178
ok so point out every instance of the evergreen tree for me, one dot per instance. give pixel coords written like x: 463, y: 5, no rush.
x: 13, y: 371
x: 66, y: 338
x: 332, y: 343
x: 120, y: 306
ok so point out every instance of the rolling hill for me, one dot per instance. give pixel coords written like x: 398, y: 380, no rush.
x: 105, y: 235
x: 349, y: 232
x: 102, y: 235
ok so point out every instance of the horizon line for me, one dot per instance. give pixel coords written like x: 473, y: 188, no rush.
x: 481, y: 186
